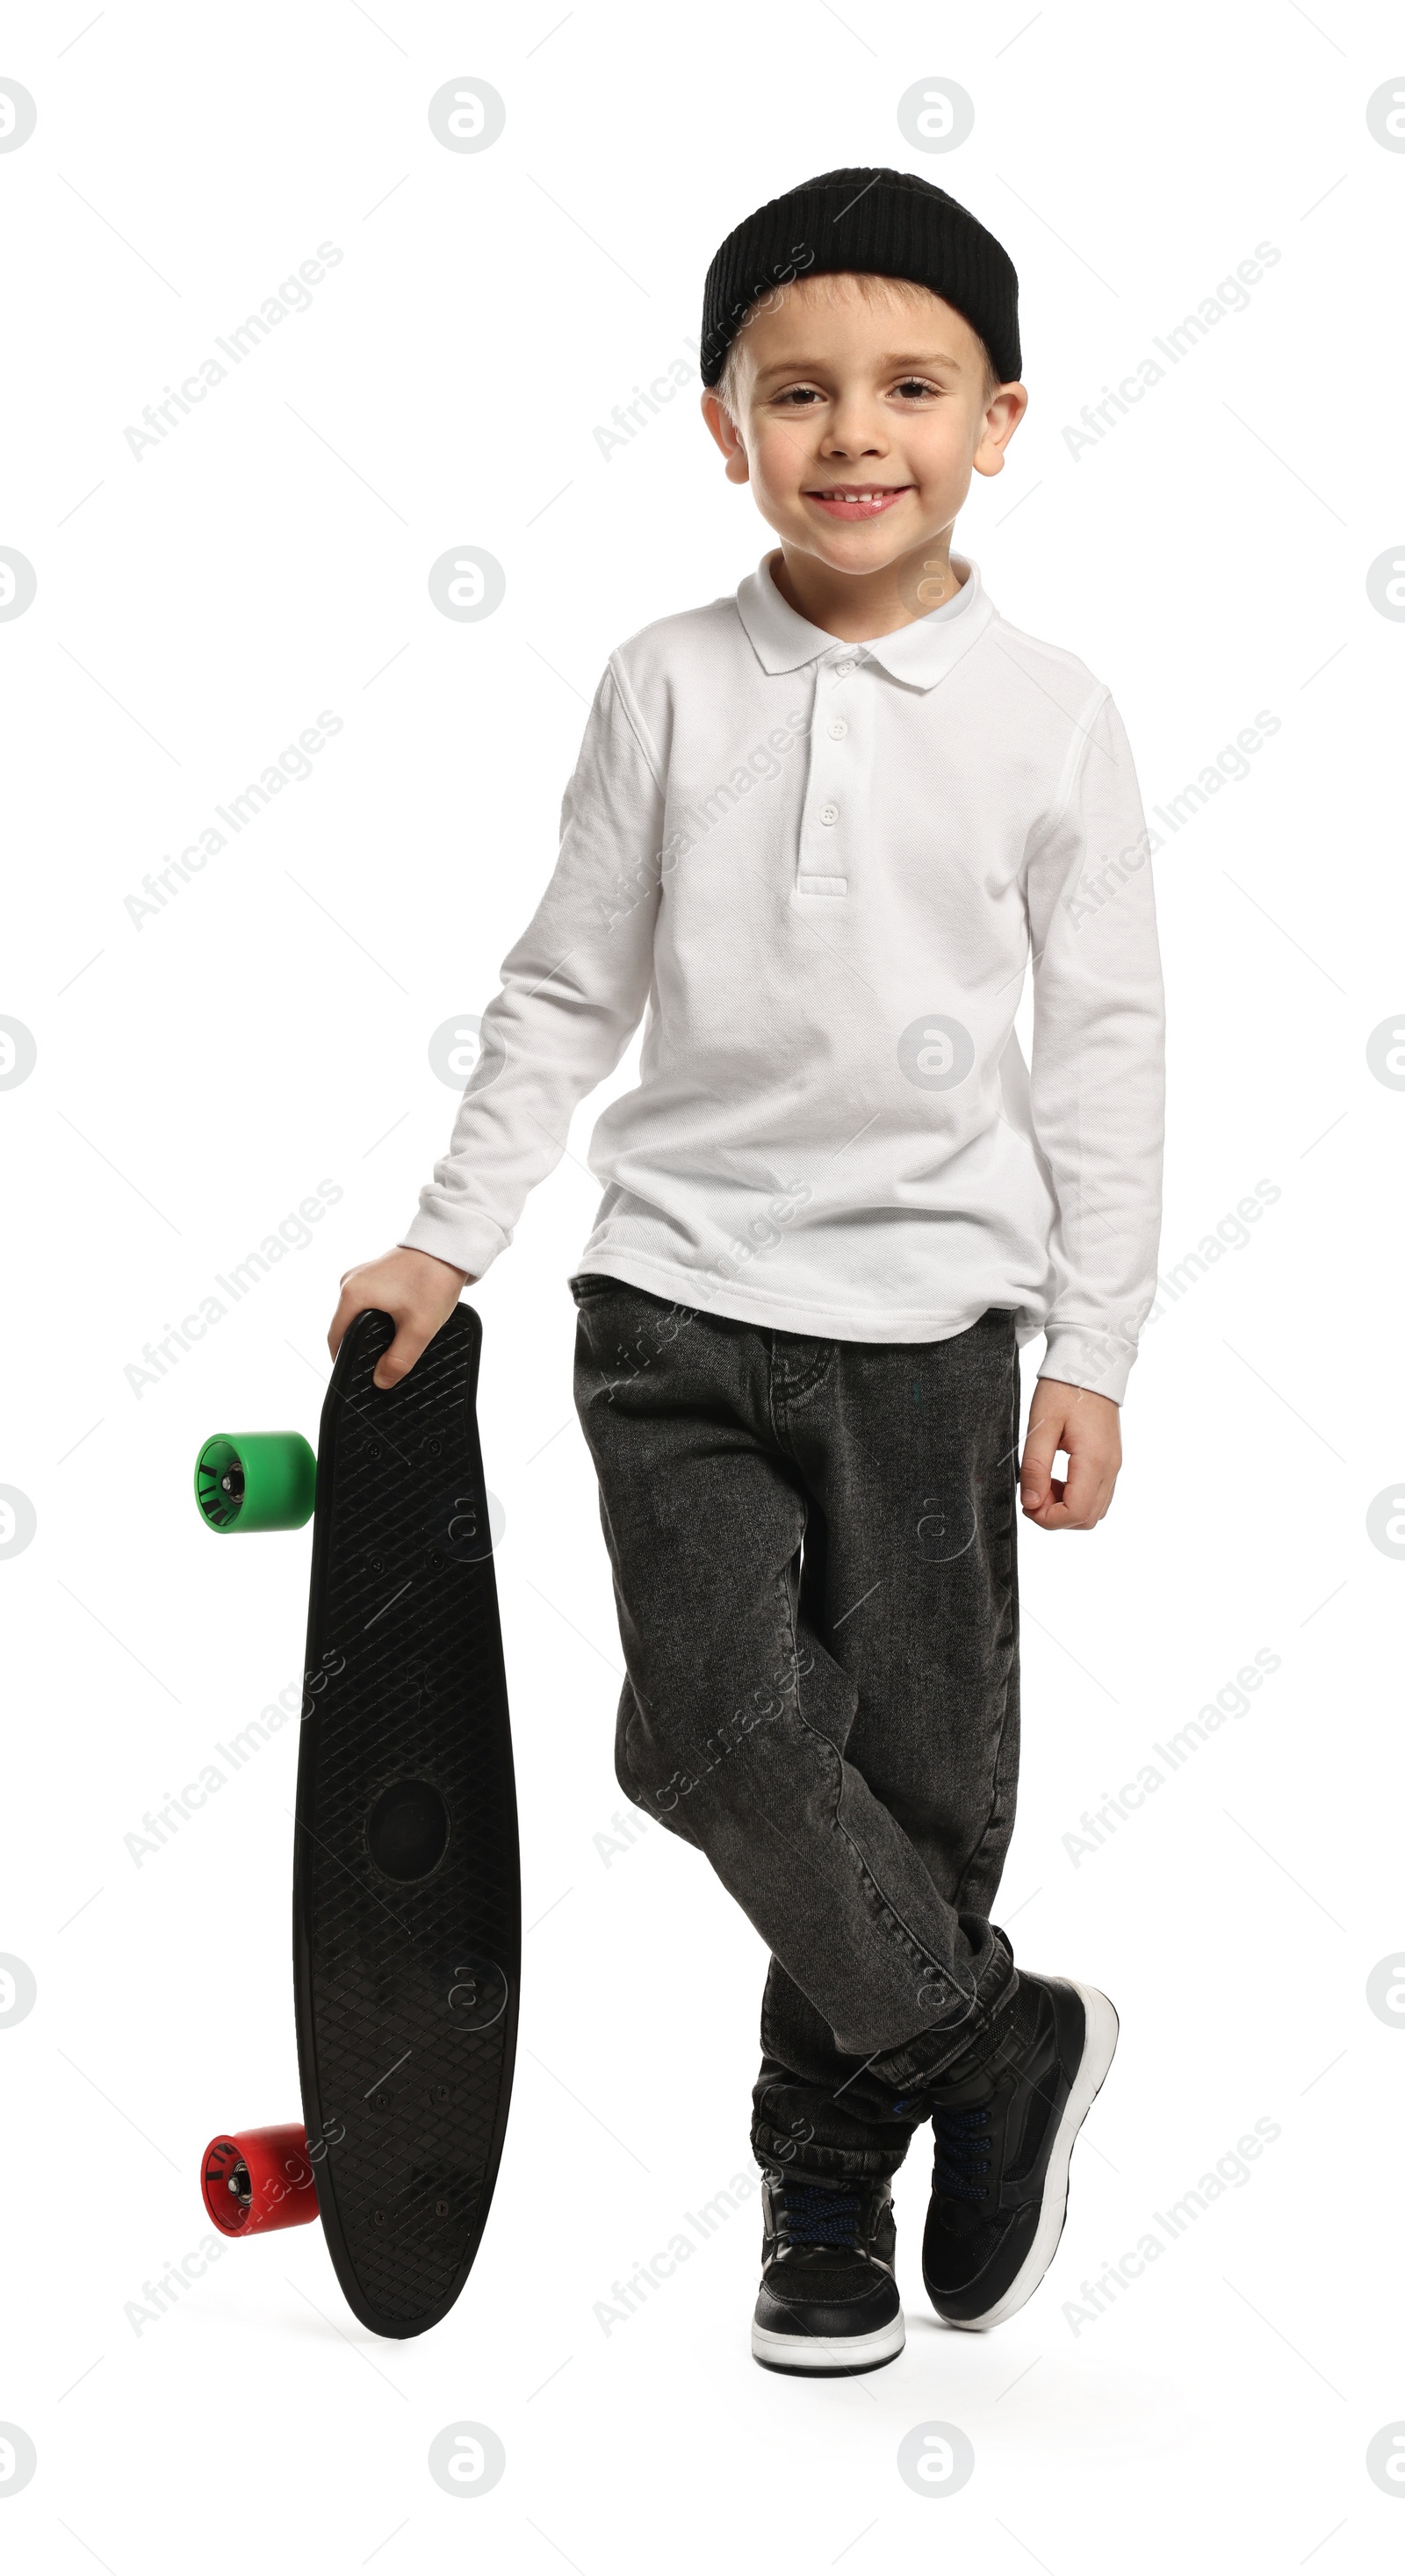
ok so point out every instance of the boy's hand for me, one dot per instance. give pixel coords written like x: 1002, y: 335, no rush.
x: 1087, y: 1426
x: 419, y: 1291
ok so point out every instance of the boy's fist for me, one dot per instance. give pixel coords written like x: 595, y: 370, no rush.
x: 1088, y: 1427
x: 415, y: 1288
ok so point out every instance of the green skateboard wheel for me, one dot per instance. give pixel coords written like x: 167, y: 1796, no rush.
x: 255, y: 1480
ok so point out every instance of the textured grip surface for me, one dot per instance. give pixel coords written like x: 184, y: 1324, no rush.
x: 406, y: 1910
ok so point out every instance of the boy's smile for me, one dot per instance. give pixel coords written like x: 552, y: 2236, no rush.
x: 861, y: 413
x: 857, y: 500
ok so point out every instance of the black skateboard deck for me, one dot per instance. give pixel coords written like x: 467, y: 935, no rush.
x: 406, y: 1901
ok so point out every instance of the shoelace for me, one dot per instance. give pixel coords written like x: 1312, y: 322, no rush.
x: 814, y: 2216
x: 962, y: 2140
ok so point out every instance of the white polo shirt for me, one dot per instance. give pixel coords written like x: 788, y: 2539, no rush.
x: 819, y: 872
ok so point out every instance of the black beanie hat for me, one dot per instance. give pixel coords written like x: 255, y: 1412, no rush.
x: 885, y: 221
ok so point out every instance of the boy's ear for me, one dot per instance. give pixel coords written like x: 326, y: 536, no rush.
x: 1007, y: 409
x: 724, y: 429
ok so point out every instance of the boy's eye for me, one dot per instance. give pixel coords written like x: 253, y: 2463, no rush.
x: 914, y: 385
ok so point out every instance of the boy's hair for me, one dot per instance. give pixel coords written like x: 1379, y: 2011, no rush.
x: 872, y: 288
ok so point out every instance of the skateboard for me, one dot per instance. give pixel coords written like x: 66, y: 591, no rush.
x: 406, y: 1903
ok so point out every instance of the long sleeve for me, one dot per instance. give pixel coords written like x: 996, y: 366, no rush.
x: 573, y: 991
x: 1096, y: 1079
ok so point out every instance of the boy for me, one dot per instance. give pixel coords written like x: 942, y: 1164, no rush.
x: 813, y: 835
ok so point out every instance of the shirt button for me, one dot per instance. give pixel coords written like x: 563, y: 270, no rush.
x: 838, y: 729
x: 829, y: 813
x: 842, y: 670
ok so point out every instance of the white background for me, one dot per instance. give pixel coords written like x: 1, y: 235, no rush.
x: 197, y: 1076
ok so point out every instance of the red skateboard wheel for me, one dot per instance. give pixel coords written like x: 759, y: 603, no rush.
x: 257, y: 2179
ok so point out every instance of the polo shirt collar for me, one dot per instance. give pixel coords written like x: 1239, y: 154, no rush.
x: 919, y: 654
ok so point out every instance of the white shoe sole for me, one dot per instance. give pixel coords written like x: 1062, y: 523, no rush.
x: 1099, y: 2048
x: 820, y: 2353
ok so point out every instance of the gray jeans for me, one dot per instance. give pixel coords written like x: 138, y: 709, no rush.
x: 813, y: 1545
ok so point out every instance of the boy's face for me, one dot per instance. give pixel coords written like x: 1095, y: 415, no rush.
x: 861, y: 422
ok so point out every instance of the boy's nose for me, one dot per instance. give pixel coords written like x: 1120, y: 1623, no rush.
x: 854, y: 437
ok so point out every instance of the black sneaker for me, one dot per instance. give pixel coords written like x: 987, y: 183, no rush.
x: 828, y: 2301
x: 1005, y: 2117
